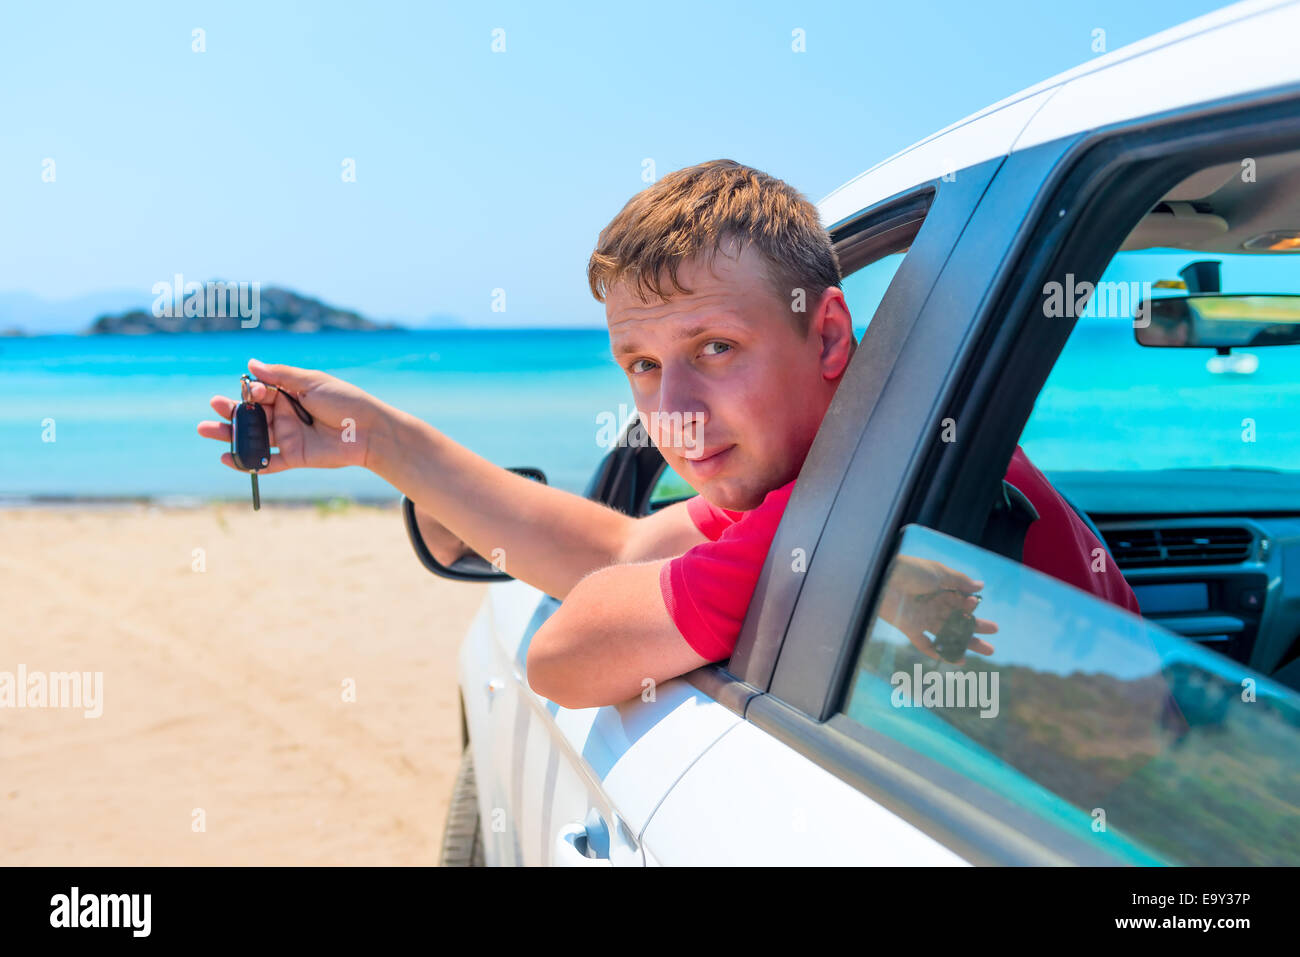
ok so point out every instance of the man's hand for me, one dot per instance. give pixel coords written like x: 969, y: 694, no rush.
x: 344, y: 418
x: 919, y: 596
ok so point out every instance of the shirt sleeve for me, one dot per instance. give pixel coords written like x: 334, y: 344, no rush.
x: 707, y: 589
x: 1060, y: 544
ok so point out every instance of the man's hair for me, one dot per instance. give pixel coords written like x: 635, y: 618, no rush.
x: 695, y: 210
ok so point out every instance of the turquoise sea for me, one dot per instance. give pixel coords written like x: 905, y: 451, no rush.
x: 124, y: 408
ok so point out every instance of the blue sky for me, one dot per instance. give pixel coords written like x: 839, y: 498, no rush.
x: 475, y: 170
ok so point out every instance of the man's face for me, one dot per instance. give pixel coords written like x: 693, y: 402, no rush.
x: 728, y: 389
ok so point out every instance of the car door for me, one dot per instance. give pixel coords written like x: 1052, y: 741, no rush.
x: 574, y: 787
x: 1044, y: 768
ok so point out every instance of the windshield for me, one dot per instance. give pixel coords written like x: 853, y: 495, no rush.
x: 1112, y: 404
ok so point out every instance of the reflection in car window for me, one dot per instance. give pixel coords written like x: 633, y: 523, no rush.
x: 1091, y: 719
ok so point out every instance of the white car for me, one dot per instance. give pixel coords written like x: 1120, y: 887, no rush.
x: 1091, y: 735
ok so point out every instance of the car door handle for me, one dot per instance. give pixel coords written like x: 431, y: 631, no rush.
x: 572, y: 846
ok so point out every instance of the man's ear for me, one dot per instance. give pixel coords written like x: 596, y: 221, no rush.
x: 832, y: 324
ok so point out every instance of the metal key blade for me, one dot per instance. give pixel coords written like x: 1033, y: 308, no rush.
x: 257, y: 499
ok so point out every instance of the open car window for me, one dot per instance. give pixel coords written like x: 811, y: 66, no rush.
x: 1161, y: 737
x: 1114, y: 405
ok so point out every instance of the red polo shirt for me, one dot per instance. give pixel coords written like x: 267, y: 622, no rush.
x: 707, y: 590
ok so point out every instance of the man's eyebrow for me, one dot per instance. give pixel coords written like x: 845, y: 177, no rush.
x: 627, y: 346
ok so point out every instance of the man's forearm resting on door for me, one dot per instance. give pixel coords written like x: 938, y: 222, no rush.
x: 610, y: 640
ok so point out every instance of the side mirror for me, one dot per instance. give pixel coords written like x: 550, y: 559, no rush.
x: 443, y: 553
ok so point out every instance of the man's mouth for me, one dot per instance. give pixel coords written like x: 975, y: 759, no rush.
x: 710, y: 463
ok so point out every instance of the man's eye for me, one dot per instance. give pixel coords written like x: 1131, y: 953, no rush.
x: 723, y: 344
x: 633, y: 366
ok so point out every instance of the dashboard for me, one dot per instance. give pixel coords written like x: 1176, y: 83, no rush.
x: 1211, y: 554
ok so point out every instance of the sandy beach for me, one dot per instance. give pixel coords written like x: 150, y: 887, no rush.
x: 225, y: 674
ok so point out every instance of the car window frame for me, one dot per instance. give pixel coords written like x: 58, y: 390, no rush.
x: 1040, y: 204
x: 926, y: 219
x: 1054, y: 193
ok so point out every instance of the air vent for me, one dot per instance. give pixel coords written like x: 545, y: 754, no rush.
x: 1145, y: 547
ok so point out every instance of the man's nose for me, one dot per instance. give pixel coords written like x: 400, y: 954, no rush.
x: 682, y: 413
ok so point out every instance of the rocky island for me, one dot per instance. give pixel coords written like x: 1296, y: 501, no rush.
x: 277, y: 310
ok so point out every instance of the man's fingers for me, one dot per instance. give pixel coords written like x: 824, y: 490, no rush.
x: 263, y: 394
x: 978, y: 645
x: 277, y: 464
x: 225, y: 408
x: 289, y: 377
x: 923, y: 644
x: 215, y: 430
x: 257, y: 392
x: 963, y: 583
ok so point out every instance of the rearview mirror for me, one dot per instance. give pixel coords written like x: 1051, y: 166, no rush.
x: 443, y: 553
x: 1219, y: 322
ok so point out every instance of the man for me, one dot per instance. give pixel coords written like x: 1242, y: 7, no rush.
x: 722, y: 298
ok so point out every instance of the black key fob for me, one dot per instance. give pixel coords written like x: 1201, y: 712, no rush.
x: 250, y: 439
x: 955, y: 636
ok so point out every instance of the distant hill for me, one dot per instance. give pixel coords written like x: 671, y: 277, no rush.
x: 127, y: 311
x: 279, y: 310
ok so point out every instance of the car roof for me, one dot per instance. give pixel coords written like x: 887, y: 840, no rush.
x: 1253, y: 48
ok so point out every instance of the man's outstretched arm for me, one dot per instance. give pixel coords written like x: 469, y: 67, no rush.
x: 548, y: 537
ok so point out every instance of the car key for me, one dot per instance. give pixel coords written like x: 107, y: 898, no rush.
x: 955, y: 636
x: 250, y: 439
